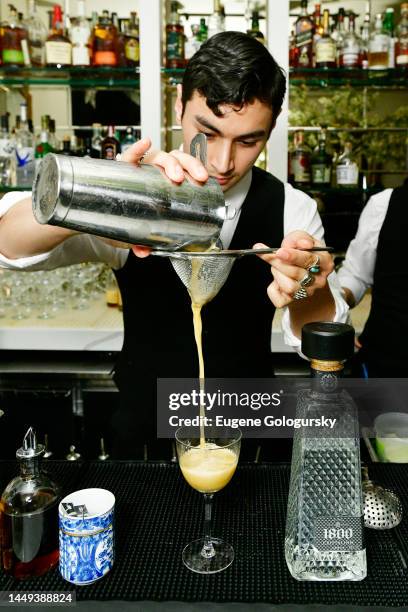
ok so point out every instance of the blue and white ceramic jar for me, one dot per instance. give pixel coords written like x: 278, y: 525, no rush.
x: 86, y: 535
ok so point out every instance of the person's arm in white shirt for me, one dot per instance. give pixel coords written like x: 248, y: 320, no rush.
x: 300, y: 213
x: 357, y: 270
x: 27, y: 245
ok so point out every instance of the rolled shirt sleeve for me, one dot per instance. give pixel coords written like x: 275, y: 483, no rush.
x: 357, y: 270
x: 301, y: 214
x: 77, y: 249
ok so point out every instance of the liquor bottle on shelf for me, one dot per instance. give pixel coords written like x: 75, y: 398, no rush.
x: 300, y: 160
x: 378, y: 46
x: 122, y: 27
x: 29, y: 516
x: 132, y: 49
x: 324, y: 538
x: 202, y: 31
x: 304, y: 37
x: 24, y: 150
x: 104, y: 42
x: 318, y: 28
x: 401, y: 48
x: 321, y: 162
x: 44, y: 145
x: 110, y: 145
x: 128, y: 140
x: 350, y: 49
x: 388, y: 26
x: 347, y: 171
x: 326, y: 47
x: 255, y: 32
x: 365, y: 40
x: 339, y: 31
x: 53, y: 140
x: 14, y: 41
x: 58, y: 48
x: 66, y: 146
x: 37, y: 35
x: 175, y: 57
x: 193, y: 43
x: 7, y: 144
x: 293, y: 51
x: 80, y: 33
x: 216, y: 22
x: 86, y: 149
x: 96, y: 140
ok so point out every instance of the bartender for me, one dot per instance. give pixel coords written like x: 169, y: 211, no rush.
x: 375, y: 259
x: 232, y: 92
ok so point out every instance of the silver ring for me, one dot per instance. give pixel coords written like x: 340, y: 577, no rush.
x: 315, y: 267
x: 307, y: 280
x: 300, y: 294
x: 142, y: 159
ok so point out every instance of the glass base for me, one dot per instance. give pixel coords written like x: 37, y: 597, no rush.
x: 197, y: 562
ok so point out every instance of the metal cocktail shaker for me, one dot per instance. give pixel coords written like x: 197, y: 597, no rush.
x: 134, y: 204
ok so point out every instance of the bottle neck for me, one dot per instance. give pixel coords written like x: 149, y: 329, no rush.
x: 325, y: 375
x: 29, y: 468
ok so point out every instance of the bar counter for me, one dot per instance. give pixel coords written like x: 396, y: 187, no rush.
x: 157, y: 514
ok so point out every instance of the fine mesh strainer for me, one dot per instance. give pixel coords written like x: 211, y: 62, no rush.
x: 382, y: 507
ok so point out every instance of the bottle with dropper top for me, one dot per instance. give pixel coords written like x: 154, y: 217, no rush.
x: 29, y: 516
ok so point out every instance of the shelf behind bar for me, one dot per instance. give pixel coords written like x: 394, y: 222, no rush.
x: 332, y: 77
x: 73, y: 76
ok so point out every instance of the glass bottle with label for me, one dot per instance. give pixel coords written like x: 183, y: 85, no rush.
x: 96, y: 140
x: 339, y: 31
x: 216, y: 20
x: 58, y: 48
x: 37, y: 35
x: 14, y: 40
x: 24, y: 150
x: 80, y: 33
x: 105, y: 42
x: 44, y: 145
x: 110, y: 145
x: 324, y: 526
x: 304, y: 37
x: 389, y: 27
x: 132, y: 50
x: 128, y: 140
x: 175, y: 56
x: 293, y: 51
x: 401, y: 48
x: 350, y: 50
x: 321, y: 162
x: 318, y: 28
x: 347, y: 171
x: 300, y: 160
x: 7, y: 154
x: 29, y: 516
x: 378, y: 46
x: 325, y: 46
x: 365, y: 41
x: 255, y: 32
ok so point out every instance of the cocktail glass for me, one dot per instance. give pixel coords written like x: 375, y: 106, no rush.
x: 208, y: 468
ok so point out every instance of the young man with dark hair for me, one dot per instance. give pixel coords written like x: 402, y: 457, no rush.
x: 232, y: 91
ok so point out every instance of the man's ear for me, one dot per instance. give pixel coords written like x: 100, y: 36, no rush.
x: 178, y: 107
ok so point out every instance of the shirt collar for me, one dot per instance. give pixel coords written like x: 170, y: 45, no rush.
x: 235, y: 196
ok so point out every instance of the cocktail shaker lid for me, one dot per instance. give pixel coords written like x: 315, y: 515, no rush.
x: 30, y: 447
x: 328, y: 341
x: 52, y: 188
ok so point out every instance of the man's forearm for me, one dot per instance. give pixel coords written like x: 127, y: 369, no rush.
x: 22, y: 236
x: 319, y: 307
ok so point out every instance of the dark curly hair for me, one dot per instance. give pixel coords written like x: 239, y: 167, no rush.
x: 233, y: 68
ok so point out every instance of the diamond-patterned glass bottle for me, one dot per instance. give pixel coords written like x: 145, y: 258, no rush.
x: 324, y: 526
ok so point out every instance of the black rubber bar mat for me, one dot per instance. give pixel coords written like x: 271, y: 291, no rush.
x: 157, y: 514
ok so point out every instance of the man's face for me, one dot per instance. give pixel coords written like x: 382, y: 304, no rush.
x: 234, y: 140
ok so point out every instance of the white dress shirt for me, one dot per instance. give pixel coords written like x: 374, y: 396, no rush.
x: 300, y: 213
x: 357, y: 270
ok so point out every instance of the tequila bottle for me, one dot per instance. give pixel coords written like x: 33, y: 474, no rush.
x: 324, y: 525
x: 378, y: 46
x: 401, y: 48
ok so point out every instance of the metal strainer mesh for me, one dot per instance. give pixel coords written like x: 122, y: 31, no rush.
x: 382, y: 507
x: 203, y: 276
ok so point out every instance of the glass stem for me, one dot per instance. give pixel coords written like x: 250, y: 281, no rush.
x: 208, y: 549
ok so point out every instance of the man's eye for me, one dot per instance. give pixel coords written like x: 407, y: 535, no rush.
x: 248, y: 143
x: 208, y: 135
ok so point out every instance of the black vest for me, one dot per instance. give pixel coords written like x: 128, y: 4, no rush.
x: 385, y: 336
x: 159, y: 339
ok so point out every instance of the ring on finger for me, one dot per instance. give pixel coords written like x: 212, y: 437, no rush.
x: 315, y: 267
x: 143, y: 158
x: 307, y: 280
x: 300, y: 294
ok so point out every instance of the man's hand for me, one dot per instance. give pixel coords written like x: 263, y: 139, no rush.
x: 176, y: 165
x: 290, y: 265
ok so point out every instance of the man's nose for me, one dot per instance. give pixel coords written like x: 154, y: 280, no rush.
x: 222, y: 158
